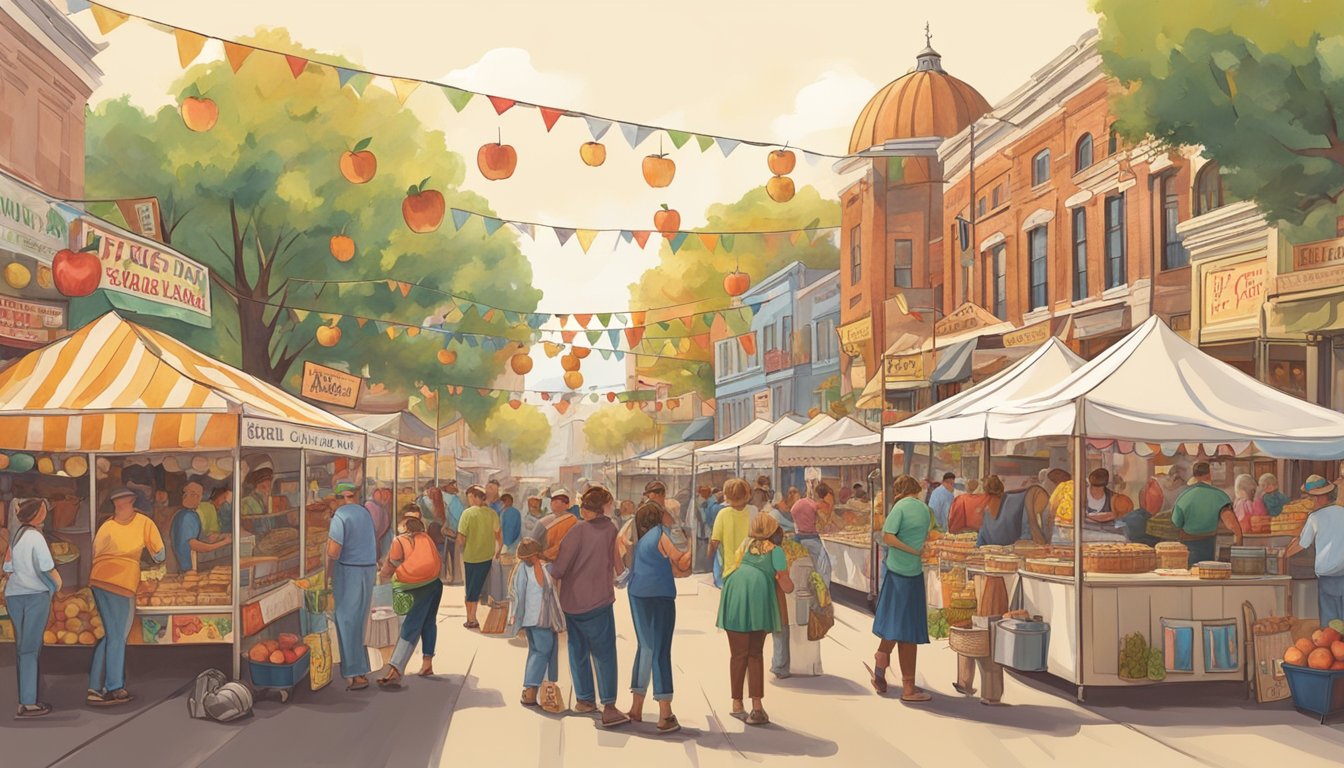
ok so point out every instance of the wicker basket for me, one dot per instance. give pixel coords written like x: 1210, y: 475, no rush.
x: 969, y: 642
x: 1172, y: 554
x: 1002, y: 563
x: 958, y: 615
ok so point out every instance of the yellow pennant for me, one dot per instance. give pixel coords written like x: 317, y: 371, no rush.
x: 330, y: 318
x: 412, y: 331
x: 302, y: 314
x: 107, y: 18
x: 189, y: 45
x: 392, y: 331
x: 586, y: 237
x: 551, y: 349
x: 404, y: 88
x: 236, y: 54
x: 795, y: 236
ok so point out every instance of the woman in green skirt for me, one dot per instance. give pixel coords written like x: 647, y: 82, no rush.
x: 900, y: 620
x: 749, y: 610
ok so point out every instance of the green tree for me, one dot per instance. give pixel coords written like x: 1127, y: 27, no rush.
x: 259, y: 196
x: 693, y: 274
x: 614, y: 429
x: 524, y: 431
x: 1260, y: 85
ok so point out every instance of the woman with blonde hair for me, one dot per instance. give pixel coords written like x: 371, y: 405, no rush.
x: 900, y: 620
x: 731, y: 524
x: 1244, y: 504
x: 749, y: 609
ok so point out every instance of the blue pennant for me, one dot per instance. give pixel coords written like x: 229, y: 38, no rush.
x: 460, y: 218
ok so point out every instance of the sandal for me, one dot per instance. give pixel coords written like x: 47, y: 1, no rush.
x: 33, y: 710
x: 917, y: 697
x: 758, y: 717
x: 95, y: 698
x: 393, y: 678
x: 426, y: 671
x: 963, y: 690
x: 119, y: 696
x: 357, y: 683
x: 471, y: 624
x: 879, y: 682
x: 738, y: 711
x: 670, y: 725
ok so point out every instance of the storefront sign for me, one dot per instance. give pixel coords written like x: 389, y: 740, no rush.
x: 260, y: 433
x: 1311, y: 279
x: 853, y: 335
x: 1028, y: 336
x: 1322, y: 253
x: 32, y: 322
x: 760, y: 405
x: 151, y: 273
x: 905, y: 367
x: 142, y: 216
x: 29, y: 223
x: 328, y: 385
x: 1234, y: 292
x: 967, y: 317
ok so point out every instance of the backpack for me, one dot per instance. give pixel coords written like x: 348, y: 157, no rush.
x: 207, y: 683
x: 213, y: 697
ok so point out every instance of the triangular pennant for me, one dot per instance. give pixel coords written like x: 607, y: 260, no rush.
x: 343, y: 75
x: 405, y: 288
x: 483, y: 392
x: 708, y: 317
x: 756, y: 307
x: 392, y: 331
x: 727, y: 242
x: 404, y: 88
x: 549, y: 117
x: 108, y: 19
x: 679, y: 138
x: 584, y: 320
x: 593, y: 336
x: 727, y: 145
x: 361, y: 321
x: 669, y: 349
x: 638, y: 317
x: 472, y: 342
x: 301, y: 314
x: 633, y: 336
x: 562, y: 234
x: 523, y: 228
x: 551, y: 349
x: 189, y: 45
x: 568, y: 336
x: 238, y: 53
x: 329, y: 318
x: 688, y: 322
x: 296, y: 64
x: 619, y: 355
x: 709, y: 240
x: 635, y: 134
x: 614, y: 335
x: 795, y: 236
x: 605, y: 353
x: 748, y: 342
x: 412, y: 331
x: 501, y: 104
x: 627, y: 235
x: 677, y: 241
x: 457, y: 97
x: 510, y: 317
x: 460, y: 218
x: 489, y: 316
x: 701, y: 341
x: 641, y: 236
x: 604, y: 318
x: 492, y: 224
x: 683, y: 346
x: 75, y: 6
x: 705, y: 142
x: 586, y: 237
x: 597, y: 127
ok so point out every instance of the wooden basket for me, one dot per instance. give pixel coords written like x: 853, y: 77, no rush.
x: 969, y: 642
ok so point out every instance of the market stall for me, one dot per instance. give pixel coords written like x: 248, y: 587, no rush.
x: 401, y: 454
x: 118, y: 406
x: 1118, y: 611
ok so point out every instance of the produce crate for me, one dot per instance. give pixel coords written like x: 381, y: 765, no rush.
x: 1319, y: 692
x: 267, y: 675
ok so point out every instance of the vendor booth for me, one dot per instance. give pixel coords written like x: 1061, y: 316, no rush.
x: 118, y: 406
x: 1115, y: 610
x: 400, y: 454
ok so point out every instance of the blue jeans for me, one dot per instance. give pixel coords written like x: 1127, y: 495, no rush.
x: 655, y: 619
x: 592, y: 643
x: 779, y: 662
x: 420, y: 624
x: 29, y: 616
x: 718, y: 568
x: 352, y: 588
x: 1330, y: 597
x: 108, y: 672
x: 543, y: 657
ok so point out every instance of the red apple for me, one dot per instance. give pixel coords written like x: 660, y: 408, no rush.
x: 359, y: 165
x: 781, y: 162
x: 77, y: 273
x: 199, y: 114
x: 667, y: 220
x: 496, y: 160
x: 423, y: 208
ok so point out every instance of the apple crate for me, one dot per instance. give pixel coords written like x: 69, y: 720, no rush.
x: 268, y: 675
x: 1318, y: 692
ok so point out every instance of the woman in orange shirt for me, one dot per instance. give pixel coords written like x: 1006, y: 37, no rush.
x: 416, y: 563
x: 968, y: 510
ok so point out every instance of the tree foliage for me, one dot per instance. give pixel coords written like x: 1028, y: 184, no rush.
x: 614, y: 429
x: 692, y: 278
x: 524, y: 431
x: 1260, y: 85
x: 258, y: 197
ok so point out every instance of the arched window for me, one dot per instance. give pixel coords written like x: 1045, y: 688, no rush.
x: 1208, y: 189
x: 1040, y: 168
x: 1082, y: 153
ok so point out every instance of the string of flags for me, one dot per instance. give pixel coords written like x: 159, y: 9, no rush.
x: 190, y: 44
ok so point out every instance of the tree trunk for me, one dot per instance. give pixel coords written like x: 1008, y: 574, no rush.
x: 256, y: 337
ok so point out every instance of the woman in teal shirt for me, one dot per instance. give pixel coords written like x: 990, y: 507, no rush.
x: 900, y: 619
x: 749, y: 610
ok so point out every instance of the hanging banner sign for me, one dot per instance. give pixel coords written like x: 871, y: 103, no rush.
x: 261, y: 433
x: 1310, y: 279
x: 30, y: 224
x: 32, y: 322
x: 142, y: 216
x: 1028, y: 336
x: 905, y: 367
x: 967, y: 317
x: 1234, y: 292
x: 852, y: 335
x: 328, y: 385
x: 760, y: 405
x: 162, y: 281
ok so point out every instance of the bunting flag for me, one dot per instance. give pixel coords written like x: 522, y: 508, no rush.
x: 679, y: 138
x: 457, y: 97
x: 551, y: 349
x: 614, y: 336
x: 563, y: 234
x: 635, y: 134
x: 296, y: 64
x: 75, y: 6
x: 460, y: 218
x: 638, y: 316
x: 726, y: 240
x: 604, y: 318
x: 492, y: 224
x: 568, y: 336
x: 795, y: 236
x: 586, y: 237
x: 189, y: 45
x: 597, y: 127
x: 524, y: 229
x: 633, y: 336
x: 593, y: 336
x: 642, y: 237
x: 404, y: 88
x: 705, y: 142
x: 344, y: 75
x: 708, y: 240
x: 549, y: 117
x: 501, y: 104
x: 748, y: 342
x: 107, y: 19
x: 583, y: 320
x: 300, y: 314
x: 564, y: 320
x: 237, y: 54
x: 688, y: 322
x: 702, y: 341
x: 676, y: 240
x: 361, y: 321
x: 727, y: 145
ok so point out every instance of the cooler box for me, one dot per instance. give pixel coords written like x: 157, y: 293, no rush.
x: 1319, y: 692
x: 1022, y: 645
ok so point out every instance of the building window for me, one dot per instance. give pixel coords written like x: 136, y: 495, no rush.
x: 828, y: 344
x: 998, y: 259
x: 1208, y: 189
x: 1174, y: 254
x: 1079, y: 254
x: 770, y: 338
x: 1112, y: 141
x: 902, y: 263
x: 1082, y: 154
x: 994, y: 197
x: 980, y: 207
x: 1038, y: 258
x: 855, y: 257
x: 786, y: 335
x: 1115, y: 241
x: 1040, y: 168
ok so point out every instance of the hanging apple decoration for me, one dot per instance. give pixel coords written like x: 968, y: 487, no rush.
x: 423, y: 208
x: 593, y: 153
x: 199, y: 113
x: 667, y: 221
x: 328, y: 335
x: 781, y: 161
x: 77, y: 273
x: 780, y: 189
x: 736, y: 283
x: 573, y: 379
x: 447, y: 356
x: 496, y: 160
x: 580, y: 352
x: 659, y: 170
x: 569, y: 363
x: 342, y: 247
x: 521, y: 363
x: 358, y: 164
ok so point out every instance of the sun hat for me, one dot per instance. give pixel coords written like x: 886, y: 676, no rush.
x: 122, y: 493
x: 1317, y: 486
x: 561, y: 492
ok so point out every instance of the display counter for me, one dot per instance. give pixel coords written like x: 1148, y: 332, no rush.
x: 851, y: 560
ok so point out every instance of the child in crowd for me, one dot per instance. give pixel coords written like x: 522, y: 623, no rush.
x: 536, y: 611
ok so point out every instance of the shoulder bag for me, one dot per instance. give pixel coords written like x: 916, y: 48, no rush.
x: 401, y: 599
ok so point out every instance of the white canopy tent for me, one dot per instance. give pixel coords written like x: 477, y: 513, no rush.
x: 723, y: 454
x: 675, y: 456
x: 762, y: 452
x: 843, y: 442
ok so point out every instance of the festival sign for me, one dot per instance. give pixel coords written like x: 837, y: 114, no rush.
x: 328, y: 385
x: 905, y: 367
x: 33, y: 323
x: 1234, y: 292
x: 29, y: 223
x: 148, y: 277
x: 967, y: 317
x: 852, y: 335
x: 261, y: 433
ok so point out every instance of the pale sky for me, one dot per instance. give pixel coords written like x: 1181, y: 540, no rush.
x: 779, y: 71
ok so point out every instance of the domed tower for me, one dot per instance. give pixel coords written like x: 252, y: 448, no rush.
x: 892, y: 231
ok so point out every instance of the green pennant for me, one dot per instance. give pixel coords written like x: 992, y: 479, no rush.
x: 726, y: 243
x: 360, y: 81
x: 604, y: 318
x: 593, y: 336
x: 708, y: 317
x: 705, y: 142
x: 665, y: 326
x: 457, y: 97
x: 679, y: 138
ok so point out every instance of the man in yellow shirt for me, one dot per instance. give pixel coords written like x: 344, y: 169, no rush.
x: 732, y: 524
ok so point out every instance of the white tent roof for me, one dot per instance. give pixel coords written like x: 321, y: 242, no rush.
x: 787, y: 428
x: 963, y: 417
x: 844, y: 442
x: 724, y: 453
x: 1154, y: 386
x: 675, y: 456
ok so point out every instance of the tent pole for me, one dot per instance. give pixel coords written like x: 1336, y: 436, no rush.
x: 303, y: 512
x: 985, y: 460
x: 237, y: 553
x: 1079, y: 502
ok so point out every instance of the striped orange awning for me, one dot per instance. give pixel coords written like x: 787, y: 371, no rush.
x: 119, y: 387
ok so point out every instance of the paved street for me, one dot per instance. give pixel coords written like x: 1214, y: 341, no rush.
x: 470, y: 715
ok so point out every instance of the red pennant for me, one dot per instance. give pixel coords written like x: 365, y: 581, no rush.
x: 546, y: 396
x: 611, y: 397
x: 688, y: 322
x: 584, y: 320
x: 501, y: 104
x: 568, y: 336
x: 483, y: 392
x: 634, y: 335
x: 549, y: 117
x: 641, y: 237
x: 562, y: 406
x: 748, y: 342
x: 296, y: 64
x: 515, y: 404
x: 701, y: 341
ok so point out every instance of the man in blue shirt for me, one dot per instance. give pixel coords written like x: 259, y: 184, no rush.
x: 352, y: 560
x: 453, y: 508
x: 185, y: 533
x: 510, y: 522
x: 940, y: 501
x: 492, y: 499
x: 1324, y: 530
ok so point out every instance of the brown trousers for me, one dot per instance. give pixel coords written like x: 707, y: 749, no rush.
x: 748, y: 661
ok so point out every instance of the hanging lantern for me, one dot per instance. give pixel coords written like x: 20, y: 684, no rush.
x: 76, y: 466
x: 521, y: 363
x: 573, y: 379
x: 570, y: 363
x: 20, y: 462
x: 736, y: 283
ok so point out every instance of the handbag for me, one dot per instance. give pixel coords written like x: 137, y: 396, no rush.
x: 497, y: 619
x: 551, y: 698
x: 820, y: 619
